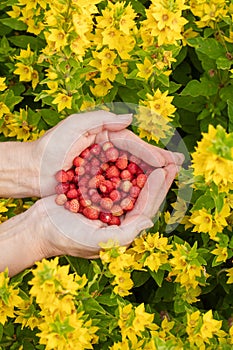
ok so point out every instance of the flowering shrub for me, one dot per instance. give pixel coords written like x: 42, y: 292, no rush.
x: 172, y: 288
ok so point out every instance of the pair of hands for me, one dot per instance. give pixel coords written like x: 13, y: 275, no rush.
x: 47, y: 229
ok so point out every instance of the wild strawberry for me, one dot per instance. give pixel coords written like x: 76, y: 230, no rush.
x: 62, y: 188
x: 112, y: 171
x: 83, y: 181
x: 84, y: 202
x: 72, y: 185
x: 61, y: 199
x: 95, y: 181
x: 133, y: 168
x: 61, y: 176
x: 115, y: 220
x: 116, y: 181
x: 72, y: 193
x: 70, y: 173
x: 79, y: 170
x: 106, y: 203
x: 91, y: 213
x: 106, y: 186
x: 117, y: 210
x: 127, y: 204
x: 95, y: 198
x: 107, y: 145
x: 141, y: 180
x: 95, y: 149
x: 74, y: 205
x: 126, y: 185
x: 105, y: 217
x: 122, y: 162
x: 86, y: 154
x: 104, y: 166
x: 95, y: 162
x: 126, y: 175
x: 78, y: 161
x: 115, y: 195
x: 112, y: 154
x: 134, y: 191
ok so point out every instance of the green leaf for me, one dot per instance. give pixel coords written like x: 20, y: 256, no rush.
x: 50, y: 116
x: 91, y: 306
x: 22, y: 41
x: 13, y: 23
x: 204, y: 201
x: 1, y: 331
x: 209, y: 46
x: 107, y: 299
x: 230, y: 115
x: 158, y: 276
x: 139, y: 277
x: 223, y: 63
x: 205, y: 87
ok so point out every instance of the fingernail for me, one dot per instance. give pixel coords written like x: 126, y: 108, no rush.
x: 126, y: 117
x: 178, y: 158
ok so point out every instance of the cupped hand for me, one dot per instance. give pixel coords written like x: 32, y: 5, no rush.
x: 73, y: 234
x: 56, y: 149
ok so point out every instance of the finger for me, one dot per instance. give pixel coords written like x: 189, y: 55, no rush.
x: 96, y: 121
x: 153, y: 155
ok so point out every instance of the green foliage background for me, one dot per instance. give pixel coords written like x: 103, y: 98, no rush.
x: 190, y: 73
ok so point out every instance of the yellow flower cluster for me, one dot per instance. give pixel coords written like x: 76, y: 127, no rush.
x: 213, y: 158
x: 187, y: 269
x: 154, y: 115
x: 201, y: 328
x: 209, y: 12
x: 211, y: 223
x: 60, y: 325
x: 9, y: 298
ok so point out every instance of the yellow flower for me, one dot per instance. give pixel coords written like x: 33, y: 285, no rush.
x: 27, y: 314
x: 35, y: 79
x: 58, y: 37
x: 24, y: 71
x: 230, y: 275
x: 142, y: 319
x: 3, y: 86
x: 15, y: 13
x: 210, y: 326
x: 9, y: 298
x: 145, y: 70
x: 109, y: 72
x: 212, y: 158
x: 221, y: 253
x: 155, y: 260
x: 102, y: 87
x: 3, y: 109
x: 202, y: 220
x: 63, y: 101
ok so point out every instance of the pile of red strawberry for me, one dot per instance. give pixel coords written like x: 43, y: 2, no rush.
x: 103, y: 183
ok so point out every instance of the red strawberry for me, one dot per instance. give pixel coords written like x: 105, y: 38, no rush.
x: 126, y: 175
x: 106, y: 186
x: 105, y: 217
x: 116, y: 181
x: 79, y: 170
x: 106, y: 203
x: 62, y: 188
x: 134, y: 191
x: 115, y: 195
x: 78, y: 161
x: 122, y: 162
x: 95, y: 181
x: 127, y: 204
x: 133, y: 168
x: 112, y: 154
x: 70, y: 173
x: 61, y: 176
x: 86, y: 154
x: 84, y: 202
x: 117, y: 210
x: 141, y: 180
x: 104, y: 166
x: 112, y: 171
x: 91, y: 213
x: 72, y: 193
x: 95, y: 149
x: 115, y: 220
x: 74, y: 205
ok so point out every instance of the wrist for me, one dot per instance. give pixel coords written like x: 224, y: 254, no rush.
x: 20, y: 241
x: 19, y: 174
